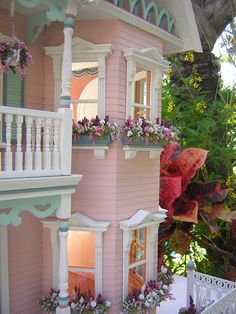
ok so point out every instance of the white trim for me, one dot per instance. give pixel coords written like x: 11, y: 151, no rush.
x: 4, y: 274
x: 82, y: 51
x: 148, y: 59
x: 81, y: 222
x: 185, y: 20
x: 131, y: 151
x: 140, y: 219
x: 99, y: 151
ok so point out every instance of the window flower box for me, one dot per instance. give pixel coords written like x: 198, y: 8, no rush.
x: 143, y: 143
x: 148, y: 136
x: 85, y: 140
x: 96, y: 134
x: 145, y: 300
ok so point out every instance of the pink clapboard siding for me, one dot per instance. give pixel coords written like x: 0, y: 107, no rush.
x: 25, y: 265
x: 114, y: 189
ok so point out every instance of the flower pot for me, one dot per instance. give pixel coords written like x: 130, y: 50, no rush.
x: 84, y: 140
x: 142, y: 142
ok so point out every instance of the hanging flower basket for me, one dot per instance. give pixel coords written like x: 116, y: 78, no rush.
x: 14, y: 56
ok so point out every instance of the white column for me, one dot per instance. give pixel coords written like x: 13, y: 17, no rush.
x: 67, y: 54
x: 63, y: 214
x: 4, y: 282
x: 63, y: 268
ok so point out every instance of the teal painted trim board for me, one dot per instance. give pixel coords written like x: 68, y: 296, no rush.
x: 40, y: 207
x: 149, y: 11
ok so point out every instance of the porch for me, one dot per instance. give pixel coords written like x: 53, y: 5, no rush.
x: 211, y: 295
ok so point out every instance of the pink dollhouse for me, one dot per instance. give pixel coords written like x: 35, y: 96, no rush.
x: 82, y: 215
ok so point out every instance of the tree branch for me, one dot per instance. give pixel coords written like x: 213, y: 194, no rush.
x: 211, y: 247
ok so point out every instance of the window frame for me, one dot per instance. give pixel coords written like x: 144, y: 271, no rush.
x: 82, y: 51
x: 141, y: 219
x: 78, y: 222
x: 150, y: 60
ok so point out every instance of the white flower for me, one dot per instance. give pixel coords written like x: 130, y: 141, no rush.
x: 163, y: 269
x: 165, y: 287
x: 108, y: 303
x: 141, y: 297
x: 147, y: 304
x: 81, y: 300
x: 73, y: 305
x: 93, y: 304
x: 151, y: 130
x: 129, y: 133
x: 102, y: 121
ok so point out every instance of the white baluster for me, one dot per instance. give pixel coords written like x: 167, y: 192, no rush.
x: 55, y: 159
x: 28, y: 153
x: 46, y: 144
x: 38, y: 152
x: 33, y: 141
x: 8, y: 153
x: 19, y: 154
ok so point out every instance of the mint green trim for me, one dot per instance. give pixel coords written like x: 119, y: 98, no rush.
x: 150, y: 12
x: 69, y: 22
x: 36, y: 22
x: 65, y: 101
x: 53, y: 188
x: 40, y: 207
x: 63, y: 226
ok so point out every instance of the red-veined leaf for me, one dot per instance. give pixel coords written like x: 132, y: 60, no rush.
x: 170, y: 189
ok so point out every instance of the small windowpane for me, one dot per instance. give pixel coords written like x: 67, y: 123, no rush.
x: 81, y: 249
x: 84, y: 90
x: 137, y: 277
x: 83, y: 280
x: 138, y: 246
x: 142, y: 93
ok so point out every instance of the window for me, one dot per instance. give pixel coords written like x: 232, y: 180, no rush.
x: 140, y: 237
x: 85, y: 242
x: 85, y: 57
x: 81, y: 261
x: 12, y: 95
x: 137, y: 259
x: 145, y: 69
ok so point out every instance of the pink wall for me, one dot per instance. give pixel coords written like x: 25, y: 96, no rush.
x: 112, y: 189
x: 25, y: 265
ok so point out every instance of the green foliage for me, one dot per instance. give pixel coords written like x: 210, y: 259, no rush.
x: 209, y: 125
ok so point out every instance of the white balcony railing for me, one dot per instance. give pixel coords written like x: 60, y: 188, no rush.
x: 211, y: 295
x: 35, y: 143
